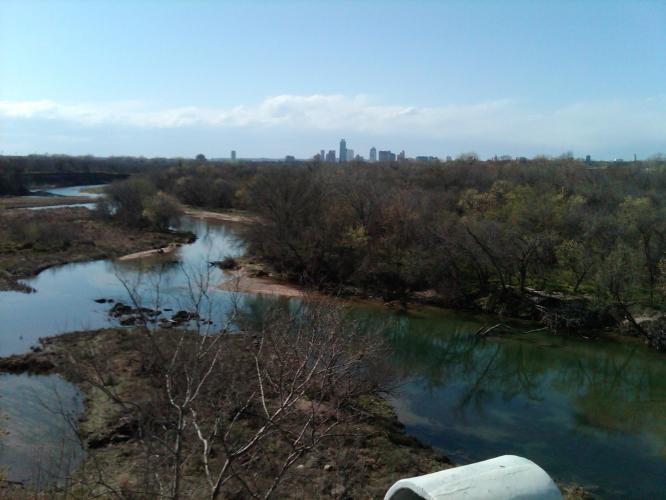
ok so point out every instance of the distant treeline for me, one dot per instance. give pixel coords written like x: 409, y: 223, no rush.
x: 36, y: 179
x: 12, y: 181
x: 17, y: 173
x: 64, y: 163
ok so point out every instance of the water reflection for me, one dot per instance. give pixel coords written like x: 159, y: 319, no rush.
x: 78, y: 191
x: 89, y: 206
x: 578, y: 409
x: 39, y: 444
x: 65, y: 294
x: 589, y: 412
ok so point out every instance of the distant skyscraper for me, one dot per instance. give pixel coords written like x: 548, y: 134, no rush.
x: 350, y: 155
x: 401, y: 155
x: 343, y: 151
x: 322, y: 155
x: 330, y: 156
x: 373, y: 154
x: 233, y: 155
x: 386, y: 156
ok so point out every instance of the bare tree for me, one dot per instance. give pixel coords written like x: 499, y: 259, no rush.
x: 231, y: 410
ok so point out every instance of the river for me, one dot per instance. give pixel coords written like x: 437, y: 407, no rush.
x: 591, y: 412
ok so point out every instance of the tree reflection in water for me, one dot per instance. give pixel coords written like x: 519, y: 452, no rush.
x: 537, y: 394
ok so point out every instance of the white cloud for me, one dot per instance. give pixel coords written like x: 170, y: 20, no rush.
x: 582, y: 125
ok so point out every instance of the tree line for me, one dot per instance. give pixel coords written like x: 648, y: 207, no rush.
x: 469, y: 232
x: 12, y: 181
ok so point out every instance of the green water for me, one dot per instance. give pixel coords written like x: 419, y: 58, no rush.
x: 592, y: 412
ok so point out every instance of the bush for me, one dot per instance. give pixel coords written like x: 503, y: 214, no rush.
x: 161, y: 211
x: 127, y: 200
x: 41, y: 235
x: 228, y: 263
x: 136, y: 202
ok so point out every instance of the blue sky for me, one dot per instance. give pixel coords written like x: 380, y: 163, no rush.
x: 166, y: 78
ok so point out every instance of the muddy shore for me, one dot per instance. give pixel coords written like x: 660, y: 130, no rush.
x: 226, y: 216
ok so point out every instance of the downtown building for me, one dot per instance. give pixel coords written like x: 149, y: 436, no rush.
x: 343, y: 151
x: 386, y: 156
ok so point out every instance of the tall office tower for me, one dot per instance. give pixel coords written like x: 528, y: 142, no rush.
x: 386, y: 156
x: 350, y: 155
x: 401, y: 155
x: 343, y: 151
x: 330, y: 156
x: 233, y: 155
x: 322, y: 155
x: 373, y: 154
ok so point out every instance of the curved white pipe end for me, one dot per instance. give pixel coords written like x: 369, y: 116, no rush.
x: 503, y: 478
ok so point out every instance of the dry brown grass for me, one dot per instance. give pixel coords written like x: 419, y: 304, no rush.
x: 11, y: 202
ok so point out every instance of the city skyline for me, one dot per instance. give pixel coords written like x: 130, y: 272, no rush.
x: 570, y: 77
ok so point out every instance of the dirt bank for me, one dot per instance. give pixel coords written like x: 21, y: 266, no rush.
x: 241, y: 280
x: 170, y: 248
x: 227, y: 216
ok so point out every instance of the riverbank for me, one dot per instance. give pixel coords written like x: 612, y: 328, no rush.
x: 169, y: 249
x: 375, y: 453
x: 559, y: 312
x: 250, y: 275
x: 34, y: 240
x: 16, y: 202
x: 243, y: 281
x: 221, y: 216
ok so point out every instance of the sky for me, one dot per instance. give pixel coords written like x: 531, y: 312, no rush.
x: 276, y: 78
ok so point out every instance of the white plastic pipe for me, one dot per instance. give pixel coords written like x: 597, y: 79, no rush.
x: 502, y: 478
